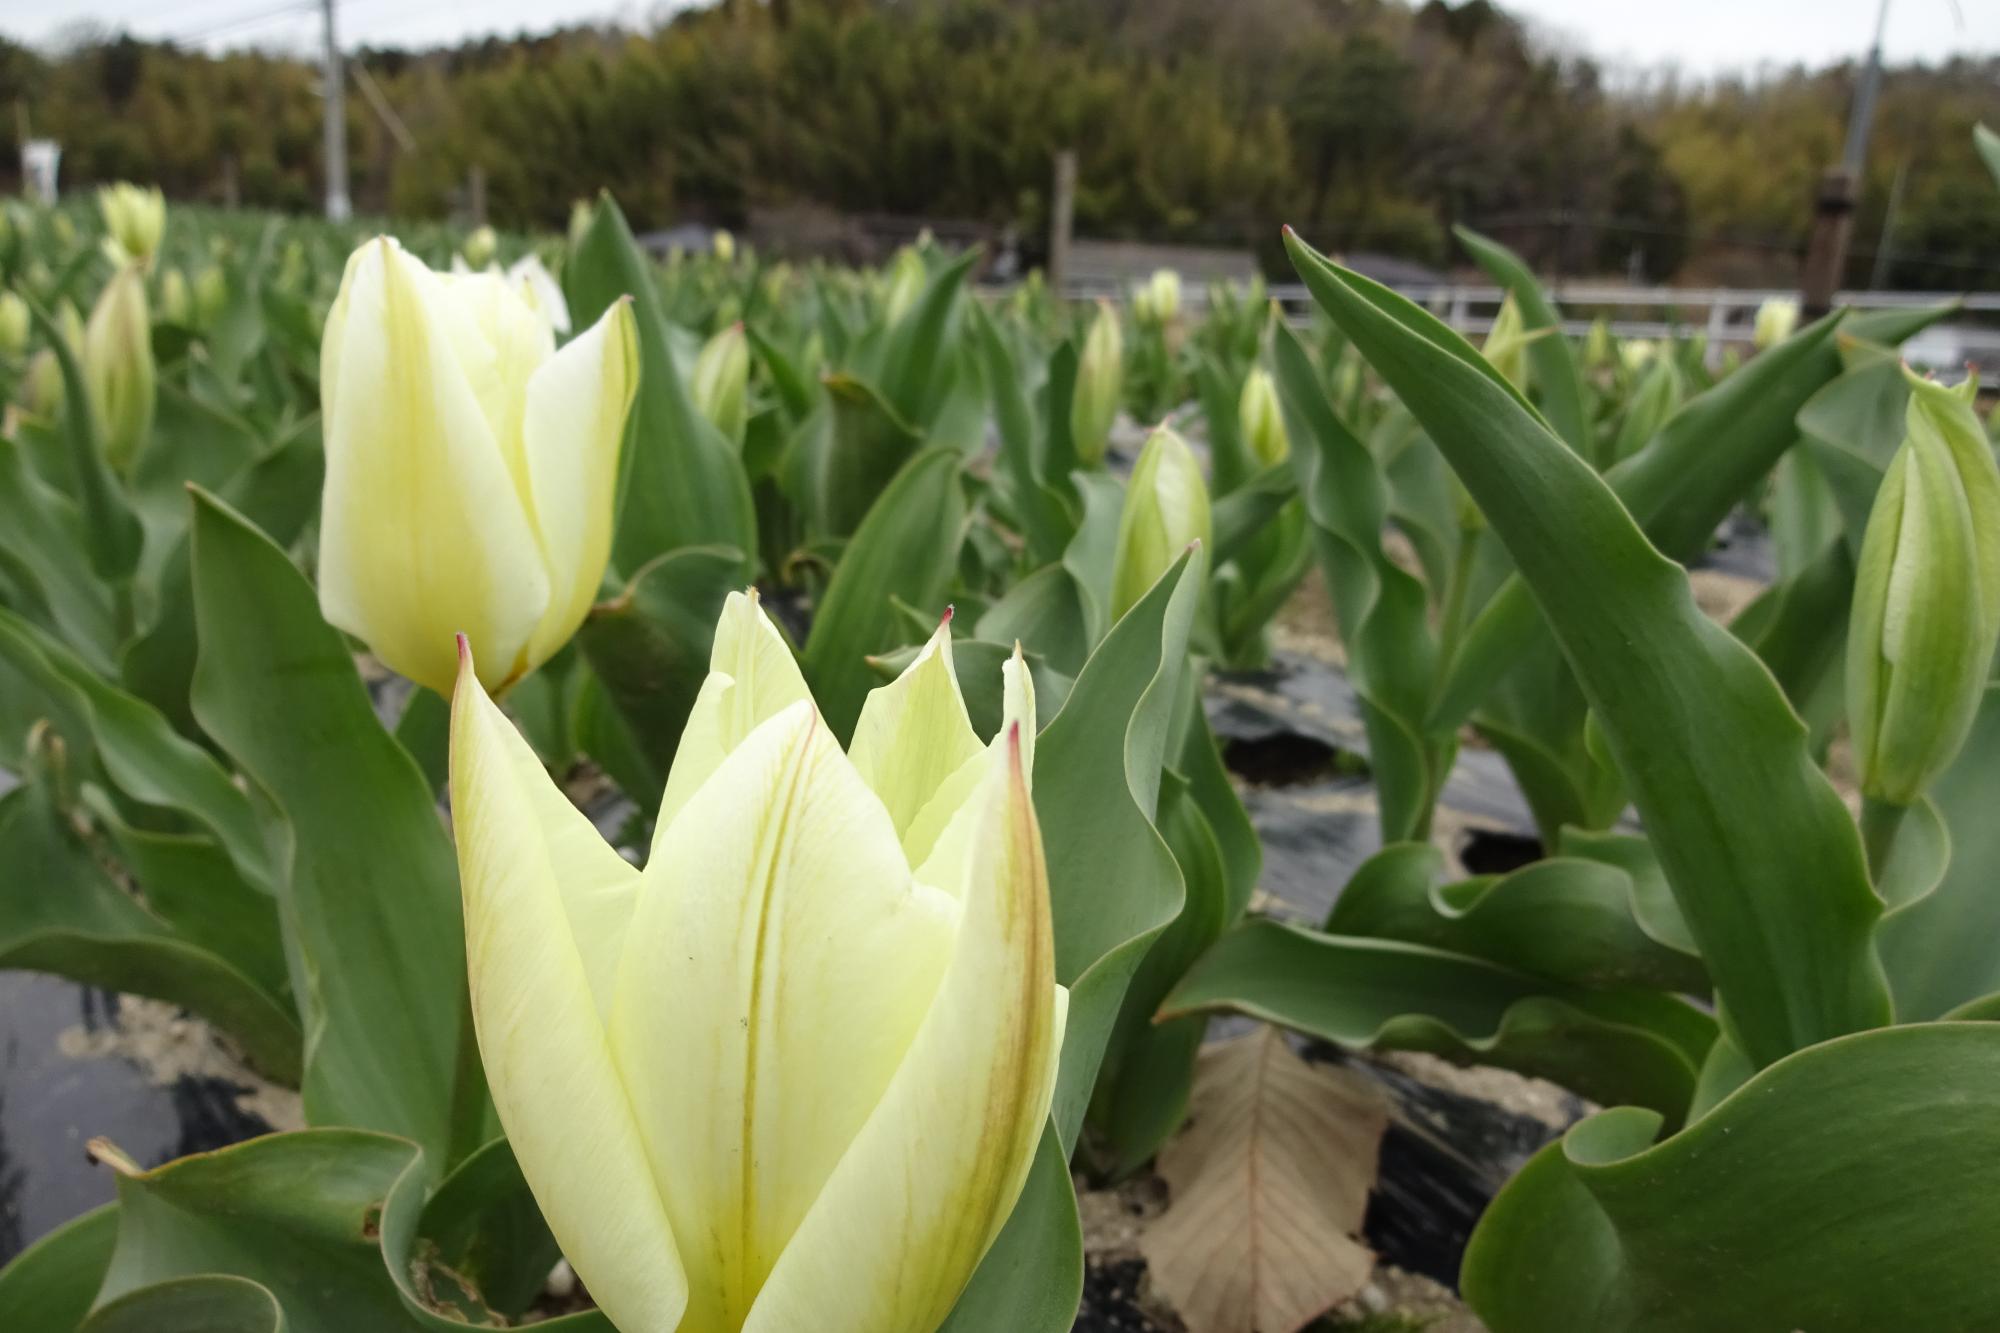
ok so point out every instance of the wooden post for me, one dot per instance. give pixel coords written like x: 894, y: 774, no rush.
x: 1826, y: 252
x: 1061, y: 216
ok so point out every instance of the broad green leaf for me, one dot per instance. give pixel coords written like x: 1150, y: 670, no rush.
x: 1113, y: 882
x: 680, y: 483
x: 61, y: 912
x: 44, y: 536
x: 1565, y: 919
x: 143, y: 756
x: 1852, y: 1187
x: 1677, y: 488
x: 649, y: 645
x: 210, y: 1303
x: 868, y: 444
x: 53, y: 1283
x: 1939, y: 949
x: 915, y: 357
x: 1380, y: 607
x: 906, y: 548
x: 112, y: 535
x: 1045, y: 613
x: 371, y: 887
x: 1760, y: 851
x: 1799, y: 629
x: 1624, y: 1046
x: 1554, y: 362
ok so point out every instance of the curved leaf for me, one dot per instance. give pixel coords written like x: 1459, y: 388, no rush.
x: 1554, y: 362
x: 1849, y: 1188
x: 1636, y: 1047
x: 1760, y: 851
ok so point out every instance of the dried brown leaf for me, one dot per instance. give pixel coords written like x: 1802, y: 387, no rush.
x: 1270, y: 1179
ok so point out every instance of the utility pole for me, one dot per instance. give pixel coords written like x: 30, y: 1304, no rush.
x: 1833, y: 211
x: 338, y: 207
x: 1062, y: 213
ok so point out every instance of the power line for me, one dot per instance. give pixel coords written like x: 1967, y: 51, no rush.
x: 245, y: 20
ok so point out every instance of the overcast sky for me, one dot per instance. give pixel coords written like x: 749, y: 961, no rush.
x: 1700, y: 36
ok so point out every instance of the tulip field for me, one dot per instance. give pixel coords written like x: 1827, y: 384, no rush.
x: 702, y: 773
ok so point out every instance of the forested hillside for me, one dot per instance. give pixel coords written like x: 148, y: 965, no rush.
x: 1372, y: 124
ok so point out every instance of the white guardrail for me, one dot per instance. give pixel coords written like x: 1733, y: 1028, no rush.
x: 1725, y: 314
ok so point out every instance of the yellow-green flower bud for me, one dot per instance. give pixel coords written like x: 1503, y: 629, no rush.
x: 135, y: 218
x: 580, y: 215
x: 1597, y: 350
x: 118, y: 367
x: 211, y: 295
x: 1159, y: 300
x: 481, y: 244
x: 176, y: 304
x: 792, y: 1074
x: 1926, y: 598
x: 721, y: 382
x: 1100, y: 382
x: 1166, y: 509
x: 723, y: 246
x: 1776, y: 319
x: 471, y: 467
x: 1507, y: 342
x: 42, y: 388
x: 13, y: 325
x: 1260, y: 420
x: 906, y: 283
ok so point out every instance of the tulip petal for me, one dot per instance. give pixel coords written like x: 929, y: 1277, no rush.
x: 573, y: 427
x: 752, y: 677
x: 781, y: 959
x: 913, y: 733
x: 1017, y: 705
x: 542, y: 921
x: 930, y: 1179
x: 421, y: 526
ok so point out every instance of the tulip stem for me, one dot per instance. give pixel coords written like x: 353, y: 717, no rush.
x: 1880, y: 822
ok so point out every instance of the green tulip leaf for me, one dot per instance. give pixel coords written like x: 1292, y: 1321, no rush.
x: 1381, y: 607
x: 1851, y: 1187
x: 210, y: 1303
x: 371, y: 886
x: 1551, y: 357
x: 1760, y: 852
x: 649, y: 645
x: 906, y: 548
x: 53, y: 1283
x: 1626, y: 1046
x: 680, y: 482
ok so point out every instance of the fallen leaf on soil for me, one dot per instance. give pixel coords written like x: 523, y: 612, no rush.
x: 1270, y: 1179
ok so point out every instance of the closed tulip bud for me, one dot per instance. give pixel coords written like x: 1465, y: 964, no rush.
x: 1597, y: 352
x: 1259, y: 419
x: 135, y: 218
x: 792, y: 1074
x: 1100, y: 381
x: 1926, y: 599
x: 1776, y: 319
x: 118, y: 366
x: 42, y: 387
x: 13, y: 325
x: 723, y: 246
x: 721, y: 385
x: 470, y: 466
x: 1506, y: 347
x: 1163, y: 295
x: 581, y: 214
x: 176, y: 304
x: 480, y: 245
x: 906, y: 284
x: 1166, y: 508
x: 1634, y: 353
x: 211, y: 294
